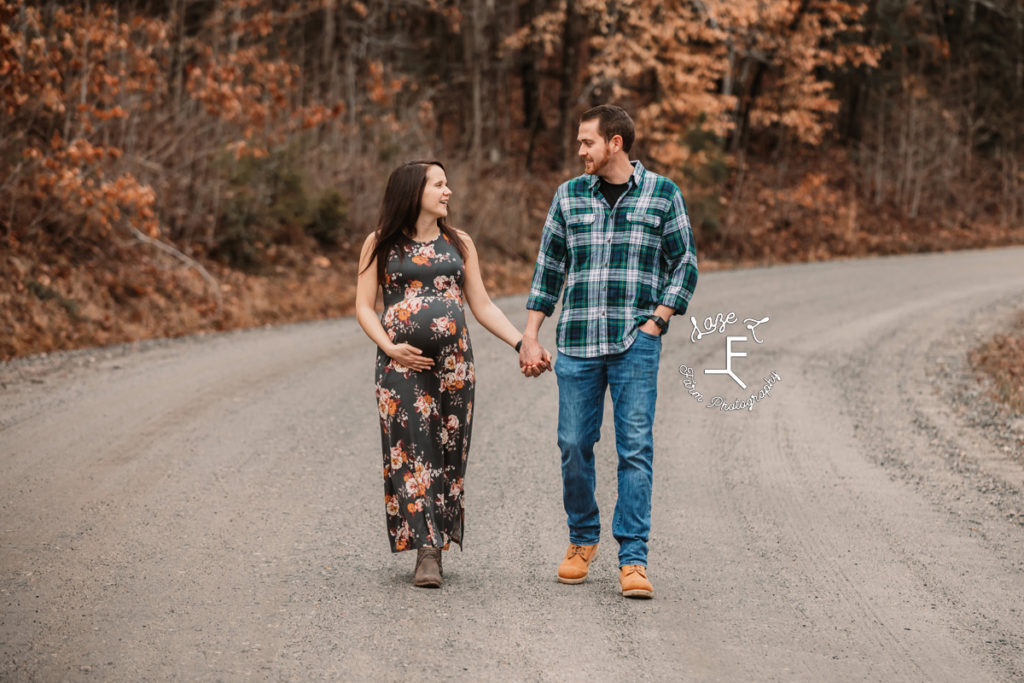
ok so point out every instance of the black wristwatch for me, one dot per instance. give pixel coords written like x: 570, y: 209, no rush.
x: 660, y: 322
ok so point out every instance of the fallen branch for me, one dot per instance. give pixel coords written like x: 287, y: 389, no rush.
x: 186, y: 259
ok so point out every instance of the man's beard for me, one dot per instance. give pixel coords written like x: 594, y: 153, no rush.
x: 598, y: 164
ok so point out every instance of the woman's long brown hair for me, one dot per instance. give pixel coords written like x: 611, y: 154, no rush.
x: 399, y: 210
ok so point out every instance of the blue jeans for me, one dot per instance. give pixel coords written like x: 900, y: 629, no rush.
x: 633, y: 379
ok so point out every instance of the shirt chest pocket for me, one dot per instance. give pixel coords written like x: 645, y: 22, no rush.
x: 644, y: 239
x: 644, y: 222
x: 579, y: 230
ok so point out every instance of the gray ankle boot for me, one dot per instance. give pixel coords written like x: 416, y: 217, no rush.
x: 428, y: 568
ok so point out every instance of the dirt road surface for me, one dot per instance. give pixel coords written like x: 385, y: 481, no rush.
x: 212, y: 508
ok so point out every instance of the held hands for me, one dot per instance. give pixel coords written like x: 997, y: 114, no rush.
x: 534, y: 359
x: 409, y: 356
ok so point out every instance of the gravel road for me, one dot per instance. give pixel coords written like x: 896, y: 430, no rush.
x: 211, y: 508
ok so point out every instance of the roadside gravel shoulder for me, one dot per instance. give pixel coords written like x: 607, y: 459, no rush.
x: 990, y: 451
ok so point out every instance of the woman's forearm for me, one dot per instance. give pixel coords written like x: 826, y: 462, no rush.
x: 497, y: 323
x: 370, y: 323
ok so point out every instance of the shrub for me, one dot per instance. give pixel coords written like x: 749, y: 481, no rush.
x: 329, y: 221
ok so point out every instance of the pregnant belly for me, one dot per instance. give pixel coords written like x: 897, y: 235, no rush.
x: 428, y: 323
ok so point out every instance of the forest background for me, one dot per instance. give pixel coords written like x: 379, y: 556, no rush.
x: 174, y: 167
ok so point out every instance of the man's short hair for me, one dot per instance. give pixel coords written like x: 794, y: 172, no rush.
x: 612, y: 121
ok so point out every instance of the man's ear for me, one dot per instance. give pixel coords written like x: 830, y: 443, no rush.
x: 616, y: 142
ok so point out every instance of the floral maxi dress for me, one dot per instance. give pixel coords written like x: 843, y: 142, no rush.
x: 425, y: 417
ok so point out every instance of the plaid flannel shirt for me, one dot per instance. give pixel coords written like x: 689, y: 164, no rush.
x: 617, y: 264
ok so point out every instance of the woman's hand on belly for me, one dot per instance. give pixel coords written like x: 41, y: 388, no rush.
x: 409, y: 356
x: 421, y: 327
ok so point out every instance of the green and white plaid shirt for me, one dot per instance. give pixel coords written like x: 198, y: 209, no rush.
x: 617, y: 264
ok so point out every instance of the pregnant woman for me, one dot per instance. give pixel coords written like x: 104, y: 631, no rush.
x: 425, y: 374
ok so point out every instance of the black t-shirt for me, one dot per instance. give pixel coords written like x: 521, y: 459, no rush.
x: 612, y: 192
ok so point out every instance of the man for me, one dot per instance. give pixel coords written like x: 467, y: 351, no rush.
x: 619, y: 239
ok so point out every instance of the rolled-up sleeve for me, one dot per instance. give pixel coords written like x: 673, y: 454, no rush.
x: 549, y: 272
x: 679, y: 257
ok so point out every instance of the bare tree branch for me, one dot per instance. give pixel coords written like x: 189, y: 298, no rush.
x: 188, y: 260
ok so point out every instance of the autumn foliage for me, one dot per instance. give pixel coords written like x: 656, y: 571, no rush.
x: 176, y: 167
x: 1001, y: 359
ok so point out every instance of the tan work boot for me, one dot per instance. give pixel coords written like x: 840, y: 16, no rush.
x: 428, y: 568
x: 576, y: 565
x: 633, y: 579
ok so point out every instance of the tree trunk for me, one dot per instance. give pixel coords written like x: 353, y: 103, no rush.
x: 533, y: 122
x: 351, y: 92
x: 327, y: 61
x: 473, y: 41
x: 569, y: 51
x: 755, y: 85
